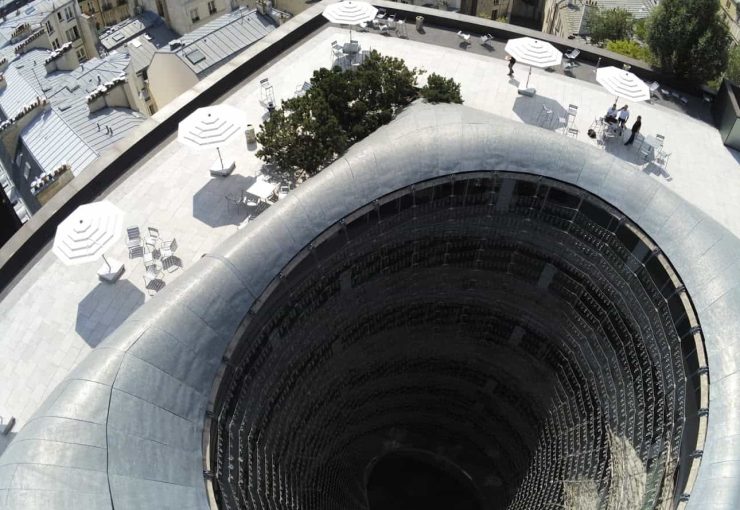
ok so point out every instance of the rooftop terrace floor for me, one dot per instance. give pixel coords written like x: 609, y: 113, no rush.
x: 56, y: 314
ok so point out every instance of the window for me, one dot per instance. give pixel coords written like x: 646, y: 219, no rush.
x: 49, y: 28
x: 72, y: 34
x: 55, y: 44
x: 212, y: 7
x: 59, y: 15
x: 194, y: 15
x: 69, y: 13
x: 195, y: 57
x: 81, y: 55
x: 152, y: 109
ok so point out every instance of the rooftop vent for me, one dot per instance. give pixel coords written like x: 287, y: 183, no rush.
x: 175, y: 44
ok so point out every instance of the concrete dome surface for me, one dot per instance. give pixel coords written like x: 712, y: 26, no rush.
x: 526, y: 307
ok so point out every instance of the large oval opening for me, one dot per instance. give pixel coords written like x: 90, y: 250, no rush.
x: 419, y: 481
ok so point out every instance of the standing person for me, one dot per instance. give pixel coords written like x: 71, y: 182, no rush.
x: 611, y: 114
x: 512, y: 61
x: 624, y: 114
x: 635, y: 129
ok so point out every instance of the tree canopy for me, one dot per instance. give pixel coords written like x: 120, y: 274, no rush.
x: 441, y: 90
x: 611, y: 24
x: 342, y: 107
x: 629, y: 48
x: 689, y: 38
x: 733, y: 65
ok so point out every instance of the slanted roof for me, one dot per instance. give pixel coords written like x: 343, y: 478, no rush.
x: 52, y: 142
x: 216, y: 41
x: 32, y: 13
x: 67, y: 132
x: 145, y: 23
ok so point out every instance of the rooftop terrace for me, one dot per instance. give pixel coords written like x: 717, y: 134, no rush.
x: 55, y: 314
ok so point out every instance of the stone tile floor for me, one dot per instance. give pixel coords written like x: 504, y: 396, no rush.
x: 56, y: 314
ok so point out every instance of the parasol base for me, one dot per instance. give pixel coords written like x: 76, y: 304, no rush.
x: 111, y: 271
x: 530, y: 92
x: 222, y: 170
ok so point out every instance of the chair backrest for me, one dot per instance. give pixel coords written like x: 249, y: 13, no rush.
x: 133, y: 233
x: 153, y: 232
x: 661, y: 138
x: 265, y: 82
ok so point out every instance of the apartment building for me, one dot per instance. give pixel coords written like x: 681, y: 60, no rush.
x: 571, y: 18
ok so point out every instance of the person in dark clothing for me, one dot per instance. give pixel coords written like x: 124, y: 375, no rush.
x: 635, y: 129
x: 512, y: 61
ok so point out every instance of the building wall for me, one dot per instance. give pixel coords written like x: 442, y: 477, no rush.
x: 106, y: 12
x: 168, y: 78
x: 553, y: 22
x: 493, y: 9
x: 63, y: 25
x: 731, y: 15
x: 184, y: 16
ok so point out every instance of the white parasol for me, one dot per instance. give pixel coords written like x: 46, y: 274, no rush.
x: 211, y: 127
x: 534, y: 53
x: 350, y: 13
x: 622, y: 84
x: 87, y: 233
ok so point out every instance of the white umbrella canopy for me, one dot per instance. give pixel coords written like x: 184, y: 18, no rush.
x: 533, y: 52
x: 350, y: 12
x: 87, y: 233
x: 211, y: 127
x: 622, y: 84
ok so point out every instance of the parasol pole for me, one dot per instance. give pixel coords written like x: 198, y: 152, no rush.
x: 528, y: 75
x: 107, y: 263
x: 220, y: 158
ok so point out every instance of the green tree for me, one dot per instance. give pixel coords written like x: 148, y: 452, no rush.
x: 639, y: 29
x: 441, y: 90
x: 302, y: 135
x: 689, y: 38
x: 733, y: 65
x: 612, y: 24
x: 307, y: 133
x: 630, y: 48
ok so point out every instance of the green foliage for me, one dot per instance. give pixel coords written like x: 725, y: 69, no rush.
x: 612, y: 24
x: 441, y: 90
x: 639, y: 29
x: 733, y: 65
x: 630, y: 48
x: 309, y: 132
x: 303, y: 134
x: 689, y: 38
x: 502, y: 19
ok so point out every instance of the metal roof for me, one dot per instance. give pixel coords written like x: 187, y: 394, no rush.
x: 70, y: 129
x: 124, y: 429
x: 52, y: 143
x: 145, y: 23
x: 221, y: 38
x: 33, y: 13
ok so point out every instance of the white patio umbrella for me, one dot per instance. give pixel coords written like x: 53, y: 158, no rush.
x: 87, y: 233
x: 211, y: 127
x: 534, y: 53
x: 623, y: 84
x: 350, y: 12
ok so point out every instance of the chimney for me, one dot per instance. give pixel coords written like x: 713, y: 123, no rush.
x: 63, y: 59
x: 10, y: 129
x: 38, y: 39
x: 112, y: 94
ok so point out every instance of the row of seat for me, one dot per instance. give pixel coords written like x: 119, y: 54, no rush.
x: 297, y: 392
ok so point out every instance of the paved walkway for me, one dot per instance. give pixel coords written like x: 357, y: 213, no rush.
x: 57, y: 314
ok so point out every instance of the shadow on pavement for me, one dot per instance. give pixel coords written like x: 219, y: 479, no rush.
x: 210, y: 205
x: 105, y: 308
